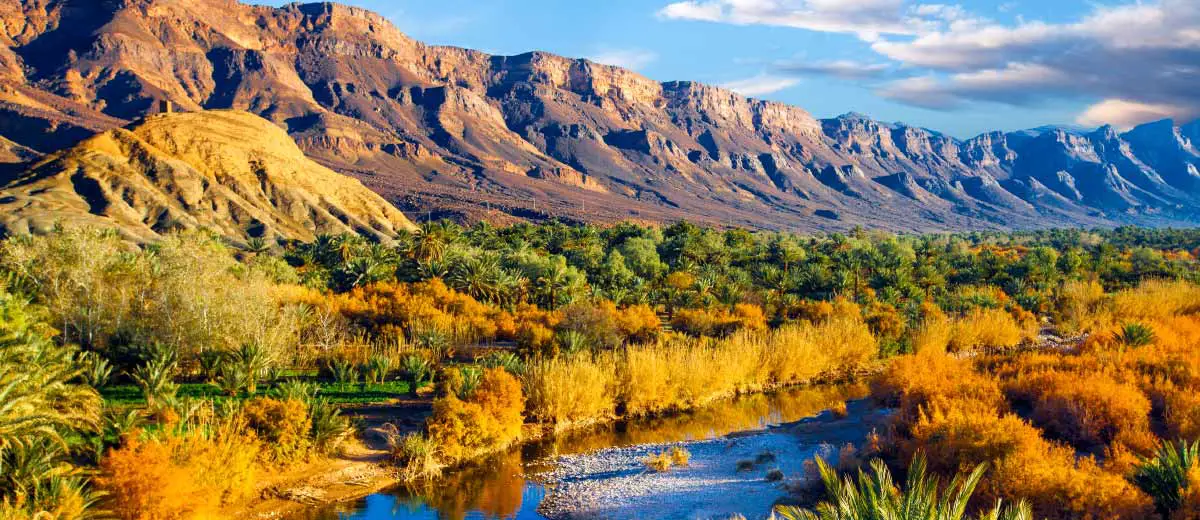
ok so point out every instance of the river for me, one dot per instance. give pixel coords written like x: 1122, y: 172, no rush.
x: 584, y: 466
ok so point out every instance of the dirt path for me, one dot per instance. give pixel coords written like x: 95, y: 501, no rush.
x: 360, y: 469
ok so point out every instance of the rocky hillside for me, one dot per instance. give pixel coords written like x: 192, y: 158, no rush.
x: 452, y: 132
x: 231, y: 172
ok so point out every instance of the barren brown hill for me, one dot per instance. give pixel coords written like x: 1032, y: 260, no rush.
x: 444, y: 131
x: 228, y: 171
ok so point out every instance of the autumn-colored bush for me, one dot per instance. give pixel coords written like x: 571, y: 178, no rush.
x: 926, y: 382
x: 814, y: 310
x: 719, y: 322
x: 1156, y: 299
x: 391, y: 308
x: 189, y: 476
x: 987, y: 327
x: 638, y: 323
x: 1023, y: 464
x: 885, y: 321
x: 284, y: 426
x: 1181, y: 413
x: 1087, y: 410
x: 1079, y: 306
x: 1189, y: 507
x: 933, y: 335
x: 487, y: 420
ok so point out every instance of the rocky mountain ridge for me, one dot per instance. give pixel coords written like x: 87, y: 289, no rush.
x: 444, y: 131
x: 231, y: 172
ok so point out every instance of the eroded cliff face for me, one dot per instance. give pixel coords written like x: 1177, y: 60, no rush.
x: 228, y: 171
x: 456, y: 132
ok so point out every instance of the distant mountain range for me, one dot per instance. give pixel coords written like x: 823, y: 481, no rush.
x: 450, y: 132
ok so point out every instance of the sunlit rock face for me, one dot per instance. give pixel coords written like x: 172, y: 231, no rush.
x: 229, y: 172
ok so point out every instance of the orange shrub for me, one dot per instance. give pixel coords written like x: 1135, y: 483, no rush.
x: 179, y: 477
x: 934, y: 381
x: 719, y: 322
x: 638, y: 323
x: 885, y: 321
x: 1088, y: 410
x: 284, y: 425
x: 815, y: 311
x: 393, y: 308
x: 488, y: 420
x: 1181, y: 413
x: 1189, y: 508
x: 1023, y: 465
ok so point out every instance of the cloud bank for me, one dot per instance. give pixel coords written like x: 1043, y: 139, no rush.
x: 1133, y: 63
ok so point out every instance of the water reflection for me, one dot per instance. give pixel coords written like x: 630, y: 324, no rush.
x: 505, y: 486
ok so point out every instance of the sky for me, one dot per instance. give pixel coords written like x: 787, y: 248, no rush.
x: 961, y: 68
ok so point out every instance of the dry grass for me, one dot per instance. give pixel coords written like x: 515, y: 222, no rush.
x: 566, y: 391
x: 658, y: 462
x: 987, y: 328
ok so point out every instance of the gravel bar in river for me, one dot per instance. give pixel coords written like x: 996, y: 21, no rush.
x: 615, y: 484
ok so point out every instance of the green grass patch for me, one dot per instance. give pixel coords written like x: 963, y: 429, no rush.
x: 131, y: 395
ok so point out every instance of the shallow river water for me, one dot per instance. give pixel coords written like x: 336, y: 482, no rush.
x: 512, y: 485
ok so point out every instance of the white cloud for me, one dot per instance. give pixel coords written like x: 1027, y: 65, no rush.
x: 627, y: 58
x: 1136, y: 61
x: 710, y: 12
x: 761, y: 84
x: 866, y: 18
x: 845, y: 69
x: 1127, y: 114
x: 1141, y: 60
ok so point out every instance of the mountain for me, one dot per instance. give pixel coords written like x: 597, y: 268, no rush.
x: 232, y: 172
x: 451, y: 132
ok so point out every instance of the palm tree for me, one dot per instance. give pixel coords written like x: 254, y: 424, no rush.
x: 875, y: 496
x: 257, y: 245
x: 478, y: 276
x: 433, y: 239
x: 40, y: 407
x: 244, y: 367
x: 1166, y: 474
x: 156, y: 377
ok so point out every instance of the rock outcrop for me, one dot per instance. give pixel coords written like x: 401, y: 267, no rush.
x: 228, y: 171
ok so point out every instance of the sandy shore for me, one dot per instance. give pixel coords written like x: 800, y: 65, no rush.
x: 615, y: 483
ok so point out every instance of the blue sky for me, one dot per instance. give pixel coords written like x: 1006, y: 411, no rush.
x: 959, y: 67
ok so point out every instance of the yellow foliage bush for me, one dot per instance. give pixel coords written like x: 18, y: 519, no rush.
x: 1088, y: 410
x: 488, y: 420
x: 180, y: 476
x: 1189, y: 507
x: 1181, y: 413
x: 1078, y: 306
x: 639, y: 323
x: 933, y: 335
x: 719, y: 322
x: 916, y: 383
x: 956, y: 436
x: 1155, y: 299
x: 987, y: 328
x: 283, y: 425
x: 393, y: 308
x: 885, y: 321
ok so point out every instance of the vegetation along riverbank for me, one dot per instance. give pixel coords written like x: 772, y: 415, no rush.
x: 193, y: 378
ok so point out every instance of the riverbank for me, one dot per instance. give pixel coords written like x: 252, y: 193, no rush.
x: 324, y: 492
x: 743, y: 473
